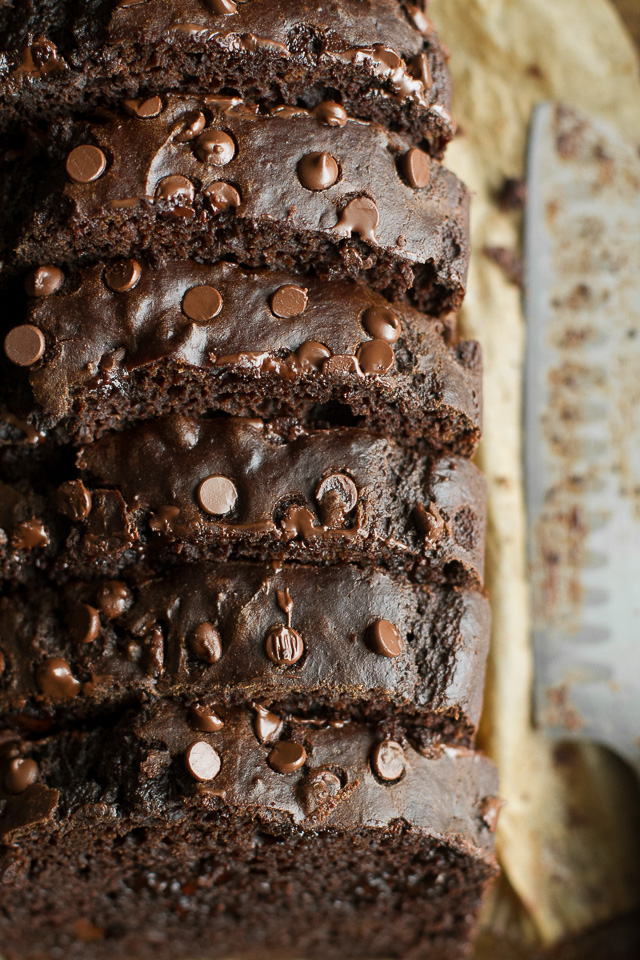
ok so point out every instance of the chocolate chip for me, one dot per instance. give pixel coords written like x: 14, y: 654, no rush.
x: 216, y: 147
x: 266, y: 725
x: 114, y: 598
x: 205, y: 643
x: 194, y: 123
x: 205, y: 719
x: 217, y: 495
x: 84, y: 623
x: 381, y: 323
x: 337, y: 495
x: 201, y: 303
x: 144, y: 109
x: 176, y: 187
x: 55, y: 680
x: 318, y: 171
x: 385, y: 639
x: 86, y: 163
x: 388, y: 760
x: 222, y: 7
x: 283, y: 645
x: 416, y: 167
x: 313, y: 353
x: 289, y: 301
x: 123, y: 276
x: 30, y: 535
x: 24, y: 345
x: 330, y: 113
x: 222, y: 197
x: 360, y: 216
x: 430, y: 522
x: 287, y: 756
x: 320, y: 787
x: 22, y: 773
x: 3, y: 663
x: 74, y: 500
x: 375, y: 357
x: 202, y: 761
x: 43, y: 281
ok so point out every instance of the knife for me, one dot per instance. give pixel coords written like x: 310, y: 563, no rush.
x: 582, y: 427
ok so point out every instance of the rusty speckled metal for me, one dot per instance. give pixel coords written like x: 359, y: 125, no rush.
x: 582, y: 427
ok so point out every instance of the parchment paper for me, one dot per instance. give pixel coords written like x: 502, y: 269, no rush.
x: 569, y: 833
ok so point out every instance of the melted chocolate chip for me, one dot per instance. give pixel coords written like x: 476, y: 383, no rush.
x: 360, y: 216
x: 217, y: 495
x: 114, y: 599
x: 202, y: 761
x: 430, y: 522
x: 74, y: 500
x: 176, y: 187
x: 215, y: 147
x: 283, y: 645
x: 313, y: 353
x: 84, y: 623
x: 21, y: 774
x: 30, y: 535
x: 43, y: 281
x: 375, y: 357
x: 123, y: 276
x: 205, y: 643
x: 222, y: 197
x: 416, y: 167
x: 194, y: 123
x: 223, y: 7
x: 320, y: 787
x: 330, y: 113
x: 381, y: 323
x: 388, y: 760
x: 86, y: 163
x: 204, y: 719
x: 202, y: 303
x: 55, y: 680
x: 24, y: 345
x: 337, y: 495
x: 289, y: 301
x: 287, y: 756
x: 318, y: 171
x: 144, y: 109
x: 266, y: 725
x: 385, y: 639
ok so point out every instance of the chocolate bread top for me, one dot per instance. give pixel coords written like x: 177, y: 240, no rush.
x: 214, y: 178
x: 315, y: 643
x: 125, y: 341
x: 380, y: 58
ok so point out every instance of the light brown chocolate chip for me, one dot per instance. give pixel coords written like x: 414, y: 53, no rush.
x: 289, y: 301
x: 204, y: 719
x: 114, y: 598
x: 318, y: 171
x: 205, y: 643
x: 283, y: 645
x: 330, y: 113
x: 24, y: 345
x: 375, y: 357
x: 266, y: 725
x: 287, y: 756
x: 385, y: 639
x: 381, y: 323
x: 84, y: 623
x: 222, y: 197
x: 416, y: 167
x: 215, y: 147
x: 55, y: 680
x: 22, y: 773
x: 388, y: 760
x: 176, y: 187
x: 217, y: 495
x: 86, y: 163
x: 202, y: 303
x: 144, y: 109
x: 360, y: 216
x: 313, y: 353
x: 202, y: 761
x: 43, y: 281
x: 122, y: 276
x: 74, y: 500
x: 194, y: 123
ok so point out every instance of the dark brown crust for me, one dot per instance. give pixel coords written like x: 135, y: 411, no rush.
x: 85, y: 55
x: 420, y: 247
x: 433, y: 688
x: 116, y: 357
x: 134, y: 845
